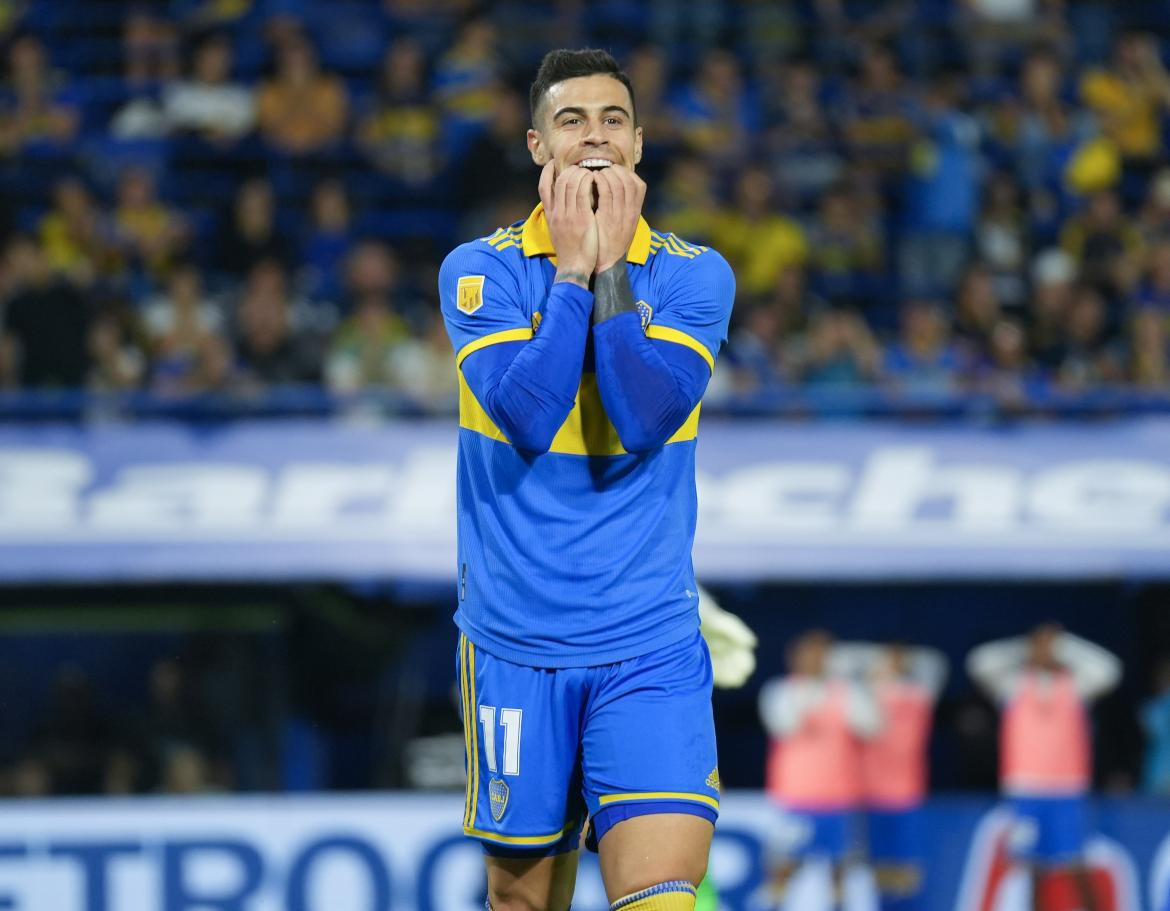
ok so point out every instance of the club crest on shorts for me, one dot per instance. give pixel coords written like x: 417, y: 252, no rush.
x: 536, y: 318
x: 713, y: 779
x: 645, y: 312
x: 498, y: 795
x: 469, y: 293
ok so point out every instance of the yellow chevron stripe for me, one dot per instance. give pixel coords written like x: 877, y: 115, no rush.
x: 507, y: 335
x: 670, y: 334
x: 673, y: 246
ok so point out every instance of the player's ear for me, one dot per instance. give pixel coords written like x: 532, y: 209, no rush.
x: 637, y: 144
x: 536, y: 147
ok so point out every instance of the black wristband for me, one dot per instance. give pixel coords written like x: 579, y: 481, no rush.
x: 612, y: 293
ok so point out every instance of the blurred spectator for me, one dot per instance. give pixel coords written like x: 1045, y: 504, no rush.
x: 468, y: 75
x: 1044, y: 683
x: 300, y: 110
x: 1129, y: 98
x: 716, y: 113
x: 401, y: 131
x: 768, y: 327
x: 838, y: 350
x: 365, y: 346
x: 78, y: 236
x: 30, y: 778
x: 421, y: 367
x: 757, y: 240
x: 150, y: 60
x: 686, y: 203
x: 1001, y: 239
x: 73, y: 735
x: 1155, y: 716
x: 208, y: 104
x: 498, y: 163
x: 1085, y: 362
x: 941, y: 194
x: 150, y: 48
x: 1153, y: 291
x: 269, y: 350
x: 845, y: 245
x: 1154, y: 217
x: 878, y: 115
x: 328, y: 242
x: 185, y: 771
x: 924, y: 359
x: 1053, y: 275
x: 174, y: 721
x: 36, y: 107
x: 977, y: 313
x: 815, y: 723
x: 1041, y: 130
x: 753, y: 349
x: 1148, y: 350
x: 1105, y: 243
x: 1005, y: 371
x: 801, y: 143
x: 151, y: 234
x: 649, y: 70
x: 46, y: 323
x: 117, y: 359
x: 253, y: 234
x: 189, y: 353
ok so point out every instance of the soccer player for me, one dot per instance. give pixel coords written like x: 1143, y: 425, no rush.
x: 816, y: 723
x: 1044, y: 683
x: 584, y: 341
x: 905, y: 683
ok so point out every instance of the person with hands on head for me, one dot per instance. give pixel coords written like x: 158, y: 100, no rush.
x: 1044, y: 683
x: 584, y: 341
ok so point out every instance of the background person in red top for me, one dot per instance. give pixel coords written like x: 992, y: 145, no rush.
x: 905, y: 683
x: 1044, y: 683
x: 816, y: 723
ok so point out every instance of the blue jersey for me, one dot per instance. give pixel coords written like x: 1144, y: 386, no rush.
x: 581, y: 555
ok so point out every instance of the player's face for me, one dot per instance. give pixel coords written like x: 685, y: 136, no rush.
x: 587, y: 121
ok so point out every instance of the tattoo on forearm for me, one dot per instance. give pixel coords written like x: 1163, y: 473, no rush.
x: 579, y: 278
x: 612, y: 293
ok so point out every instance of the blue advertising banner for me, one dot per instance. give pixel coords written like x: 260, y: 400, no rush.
x: 404, y: 852
x: 293, y: 499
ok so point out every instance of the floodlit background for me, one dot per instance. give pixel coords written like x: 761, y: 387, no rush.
x: 227, y: 410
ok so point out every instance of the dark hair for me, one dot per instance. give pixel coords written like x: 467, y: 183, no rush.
x: 562, y: 64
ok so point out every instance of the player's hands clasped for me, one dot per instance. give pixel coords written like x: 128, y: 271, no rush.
x: 620, y: 194
x: 568, y: 206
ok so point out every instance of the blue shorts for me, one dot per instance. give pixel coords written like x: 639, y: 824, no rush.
x: 1049, y: 830
x: 547, y: 746
x: 804, y: 834
x: 895, y: 836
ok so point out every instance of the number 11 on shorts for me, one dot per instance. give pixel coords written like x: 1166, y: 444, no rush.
x: 510, y: 721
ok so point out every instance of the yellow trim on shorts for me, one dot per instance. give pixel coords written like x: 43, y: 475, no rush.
x: 670, y: 334
x: 532, y: 841
x: 607, y: 799
x: 474, y: 732
x: 468, y: 721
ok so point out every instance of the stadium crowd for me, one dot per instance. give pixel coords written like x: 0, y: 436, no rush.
x: 923, y: 196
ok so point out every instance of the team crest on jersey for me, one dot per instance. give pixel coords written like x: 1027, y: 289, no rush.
x: 498, y: 795
x: 469, y: 293
x: 713, y: 779
x: 645, y: 311
x: 536, y: 318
